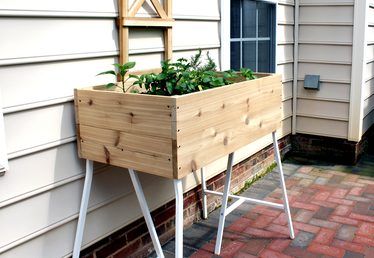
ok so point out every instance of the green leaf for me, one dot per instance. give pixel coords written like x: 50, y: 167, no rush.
x: 110, y: 85
x: 133, y: 76
x: 128, y: 65
x: 169, y: 87
x: 108, y: 72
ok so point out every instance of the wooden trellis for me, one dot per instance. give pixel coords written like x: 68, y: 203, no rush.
x: 127, y: 19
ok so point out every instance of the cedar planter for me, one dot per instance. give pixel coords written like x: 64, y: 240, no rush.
x: 172, y: 136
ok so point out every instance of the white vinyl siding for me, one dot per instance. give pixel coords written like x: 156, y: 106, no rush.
x: 58, y: 47
x: 325, y: 49
x: 368, y: 87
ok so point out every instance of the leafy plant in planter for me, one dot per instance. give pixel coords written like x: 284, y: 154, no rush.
x: 122, y: 72
x: 182, y: 77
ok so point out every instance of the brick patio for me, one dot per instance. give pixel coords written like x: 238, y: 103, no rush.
x: 332, y: 211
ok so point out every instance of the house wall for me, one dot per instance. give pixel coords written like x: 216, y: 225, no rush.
x: 48, y: 49
x: 368, y: 87
x: 325, y: 49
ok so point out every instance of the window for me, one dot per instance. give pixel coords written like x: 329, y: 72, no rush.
x: 252, y: 39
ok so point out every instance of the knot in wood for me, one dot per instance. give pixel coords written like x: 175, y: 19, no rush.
x: 107, y: 155
x: 225, y: 140
x: 90, y: 102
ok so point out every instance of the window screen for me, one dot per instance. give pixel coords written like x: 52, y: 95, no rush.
x: 252, y: 36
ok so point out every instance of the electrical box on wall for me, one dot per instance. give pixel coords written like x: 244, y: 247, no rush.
x: 311, y: 82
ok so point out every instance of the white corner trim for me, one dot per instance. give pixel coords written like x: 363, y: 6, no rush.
x: 295, y: 66
x: 4, y: 165
x: 357, y: 75
x: 225, y: 35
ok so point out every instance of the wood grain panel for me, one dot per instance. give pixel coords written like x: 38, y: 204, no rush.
x: 232, y: 119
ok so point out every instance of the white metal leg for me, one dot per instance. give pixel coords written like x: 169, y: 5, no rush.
x: 203, y: 193
x: 83, y: 209
x: 225, y: 197
x: 283, y: 185
x: 146, y: 212
x: 178, y: 188
x: 241, y: 199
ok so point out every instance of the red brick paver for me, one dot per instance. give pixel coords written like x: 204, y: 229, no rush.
x: 332, y: 212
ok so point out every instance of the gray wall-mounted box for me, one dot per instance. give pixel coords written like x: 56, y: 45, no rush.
x: 311, y: 82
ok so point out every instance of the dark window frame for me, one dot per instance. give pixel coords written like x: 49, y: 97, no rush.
x: 271, y: 39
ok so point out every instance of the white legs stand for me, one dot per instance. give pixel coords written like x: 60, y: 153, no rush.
x: 225, y: 198
x: 240, y: 199
x: 178, y: 218
x: 203, y: 186
x: 179, y: 206
x: 83, y: 208
x: 146, y: 213
x: 283, y: 185
x: 143, y: 206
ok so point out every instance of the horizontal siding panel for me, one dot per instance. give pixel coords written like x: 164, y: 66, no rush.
x: 285, y: 14
x: 39, y: 126
x: 369, y: 53
x: 326, y: 71
x: 326, y: 2
x: 192, y: 8
x: 286, y: 70
x: 325, y: 53
x: 153, y: 60
x: 40, y: 170
x: 287, y: 109
x: 41, y: 82
x: 368, y: 89
x: 284, y: 53
x: 326, y: 34
x: 93, y: 36
x: 285, y: 34
x: 368, y: 105
x: 371, y: 15
x: 59, y: 203
x: 323, y: 127
x: 196, y: 8
x: 186, y: 34
x: 287, y: 90
x: 370, y: 34
x: 55, y: 36
x: 60, y: 6
x: 369, y: 71
x: 326, y: 14
x: 368, y: 121
x: 328, y: 91
x: 325, y: 109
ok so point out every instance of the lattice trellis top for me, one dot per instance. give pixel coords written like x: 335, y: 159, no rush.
x: 164, y: 13
x: 127, y: 18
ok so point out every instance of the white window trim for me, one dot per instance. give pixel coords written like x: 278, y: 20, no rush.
x: 4, y: 165
x: 225, y: 33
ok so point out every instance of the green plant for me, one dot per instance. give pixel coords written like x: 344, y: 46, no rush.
x: 180, y: 77
x: 122, y: 71
x: 247, y: 73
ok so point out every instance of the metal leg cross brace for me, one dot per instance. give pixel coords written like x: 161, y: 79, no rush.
x: 226, y: 210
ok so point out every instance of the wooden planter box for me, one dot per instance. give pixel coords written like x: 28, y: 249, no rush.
x: 174, y: 136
